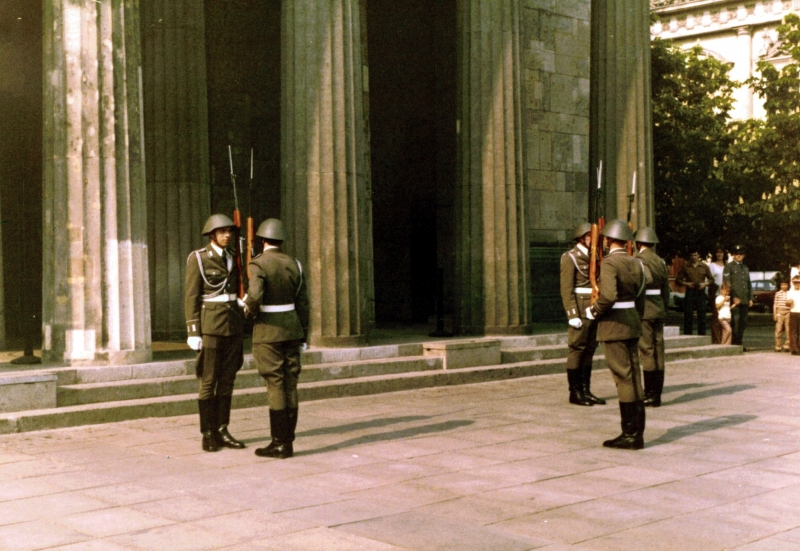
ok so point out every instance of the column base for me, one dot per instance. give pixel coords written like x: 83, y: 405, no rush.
x: 107, y: 357
x: 508, y: 330
x: 350, y: 341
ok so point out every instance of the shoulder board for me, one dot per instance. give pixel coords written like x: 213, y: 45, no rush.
x: 191, y: 254
x: 256, y: 256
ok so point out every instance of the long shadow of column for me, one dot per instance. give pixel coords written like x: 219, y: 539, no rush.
x: 706, y: 425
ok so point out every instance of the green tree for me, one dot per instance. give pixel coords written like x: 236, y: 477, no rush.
x: 763, y: 164
x: 692, y: 99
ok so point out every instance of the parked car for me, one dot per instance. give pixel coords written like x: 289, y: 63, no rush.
x: 763, y: 295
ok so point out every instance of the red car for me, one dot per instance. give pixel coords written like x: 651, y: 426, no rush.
x: 763, y: 295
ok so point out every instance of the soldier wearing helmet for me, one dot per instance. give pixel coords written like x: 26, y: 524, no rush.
x: 651, y: 343
x: 618, y: 311
x: 214, y: 322
x: 576, y: 294
x: 277, y: 300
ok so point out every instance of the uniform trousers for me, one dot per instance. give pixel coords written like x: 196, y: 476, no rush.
x: 582, y: 344
x: 622, y: 358
x: 217, y: 364
x: 781, y: 328
x: 739, y: 322
x: 651, y: 345
x: 694, y: 299
x: 279, y: 364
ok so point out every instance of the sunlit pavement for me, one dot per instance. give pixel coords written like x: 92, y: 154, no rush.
x: 494, y: 466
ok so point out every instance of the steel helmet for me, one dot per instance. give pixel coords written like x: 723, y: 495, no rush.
x: 272, y: 228
x: 646, y: 235
x: 618, y: 229
x: 215, y: 222
x: 581, y: 230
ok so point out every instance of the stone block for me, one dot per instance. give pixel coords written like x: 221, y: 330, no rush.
x: 672, y: 331
x: 25, y: 392
x: 460, y: 354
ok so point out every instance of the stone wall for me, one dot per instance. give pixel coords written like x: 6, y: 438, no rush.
x: 555, y: 50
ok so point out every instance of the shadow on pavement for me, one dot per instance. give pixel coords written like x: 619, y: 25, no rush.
x: 679, y: 388
x: 706, y: 425
x: 393, y: 435
x: 340, y: 429
x: 722, y: 391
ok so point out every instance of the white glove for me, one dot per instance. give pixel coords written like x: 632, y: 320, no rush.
x: 241, y: 303
x: 589, y: 313
x: 303, y: 347
x: 576, y: 323
x: 195, y: 343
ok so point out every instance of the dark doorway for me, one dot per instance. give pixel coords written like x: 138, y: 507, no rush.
x: 412, y: 107
x: 21, y: 167
x: 243, y: 66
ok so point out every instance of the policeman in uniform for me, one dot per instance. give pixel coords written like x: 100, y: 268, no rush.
x: 214, y: 322
x: 738, y: 275
x: 651, y: 343
x: 618, y: 311
x: 576, y: 294
x: 278, y: 300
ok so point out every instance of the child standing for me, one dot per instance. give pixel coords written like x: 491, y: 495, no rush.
x: 780, y: 314
x: 793, y: 298
x: 723, y: 304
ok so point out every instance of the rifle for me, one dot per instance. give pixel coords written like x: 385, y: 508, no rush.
x: 237, y: 222
x: 250, y: 234
x: 631, y: 197
x: 594, y: 257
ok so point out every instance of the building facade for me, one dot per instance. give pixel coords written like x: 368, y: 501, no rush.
x: 737, y: 32
x: 403, y: 143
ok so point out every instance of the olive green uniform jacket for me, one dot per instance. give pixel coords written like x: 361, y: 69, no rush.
x: 575, y: 274
x: 277, y: 279
x: 208, y: 276
x: 622, y: 279
x: 655, y: 304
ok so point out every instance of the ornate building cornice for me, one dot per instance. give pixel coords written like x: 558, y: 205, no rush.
x: 686, y: 18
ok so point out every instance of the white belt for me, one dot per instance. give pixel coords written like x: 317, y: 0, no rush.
x: 624, y: 305
x: 277, y: 308
x: 583, y: 290
x: 652, y: 292
x: 221, y: 298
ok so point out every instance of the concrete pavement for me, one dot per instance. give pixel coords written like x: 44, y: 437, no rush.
x: 493, y: 466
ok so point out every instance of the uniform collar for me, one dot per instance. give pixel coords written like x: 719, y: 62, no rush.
x: 216, y: 249
x: 617, y: 251
x: 582, y: 248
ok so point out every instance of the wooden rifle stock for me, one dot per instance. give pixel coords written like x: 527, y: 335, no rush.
x: 250, y: 238
x: 237, y: 222
x: 594, y: 262
x: 630, y: 243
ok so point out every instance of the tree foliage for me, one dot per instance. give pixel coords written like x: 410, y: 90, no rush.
x: 692, y: 99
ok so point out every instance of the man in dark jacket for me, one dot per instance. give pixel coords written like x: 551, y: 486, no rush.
x: 618, y: 311
x: 278, y: 300
x: 738, y: 275
x: 651, y: 343
x: 214, y: 322
x: 576, y: 294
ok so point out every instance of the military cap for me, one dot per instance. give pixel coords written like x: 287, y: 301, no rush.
x: 273, y: 229
x: 215, y: 222
x: 738, y: 249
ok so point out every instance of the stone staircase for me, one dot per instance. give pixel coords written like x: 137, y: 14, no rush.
x: 68, y: 396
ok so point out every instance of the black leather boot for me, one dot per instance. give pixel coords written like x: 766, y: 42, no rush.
x: 653, y: 384
x: 292, y: 415
x: 576, y: 395
x: 224, y: 438
x: 633, y: 418
x: 586, y: 380
x: 208, y: 421
x: 280, y: 447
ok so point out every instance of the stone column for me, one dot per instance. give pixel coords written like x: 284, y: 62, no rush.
x: 742, y: 70
x: 95, y: 285
x: 621, y: 133
x: 325, y: 173
x: 492, y: 295
x: 176, y: 130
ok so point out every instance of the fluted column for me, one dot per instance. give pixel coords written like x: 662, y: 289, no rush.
x: 742, y: 70
x: 176, y: 128
x: 95, y: 285
x: 621, y: 133
x: 492, y: 252
x: 325, y: 175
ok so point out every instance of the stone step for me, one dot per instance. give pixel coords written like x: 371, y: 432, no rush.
x: 184, y: 404
x: 523, y: 354
x: 132, y: 389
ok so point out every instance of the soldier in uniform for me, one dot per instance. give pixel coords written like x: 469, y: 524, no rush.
x: 214, y: 322
x: 278, y: 300
x: 618, y: 311
x: 576, y: 294
x: 651, y: 343
x: 738, y: 275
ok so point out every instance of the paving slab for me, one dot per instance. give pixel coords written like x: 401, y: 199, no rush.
x: 490, y: 466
